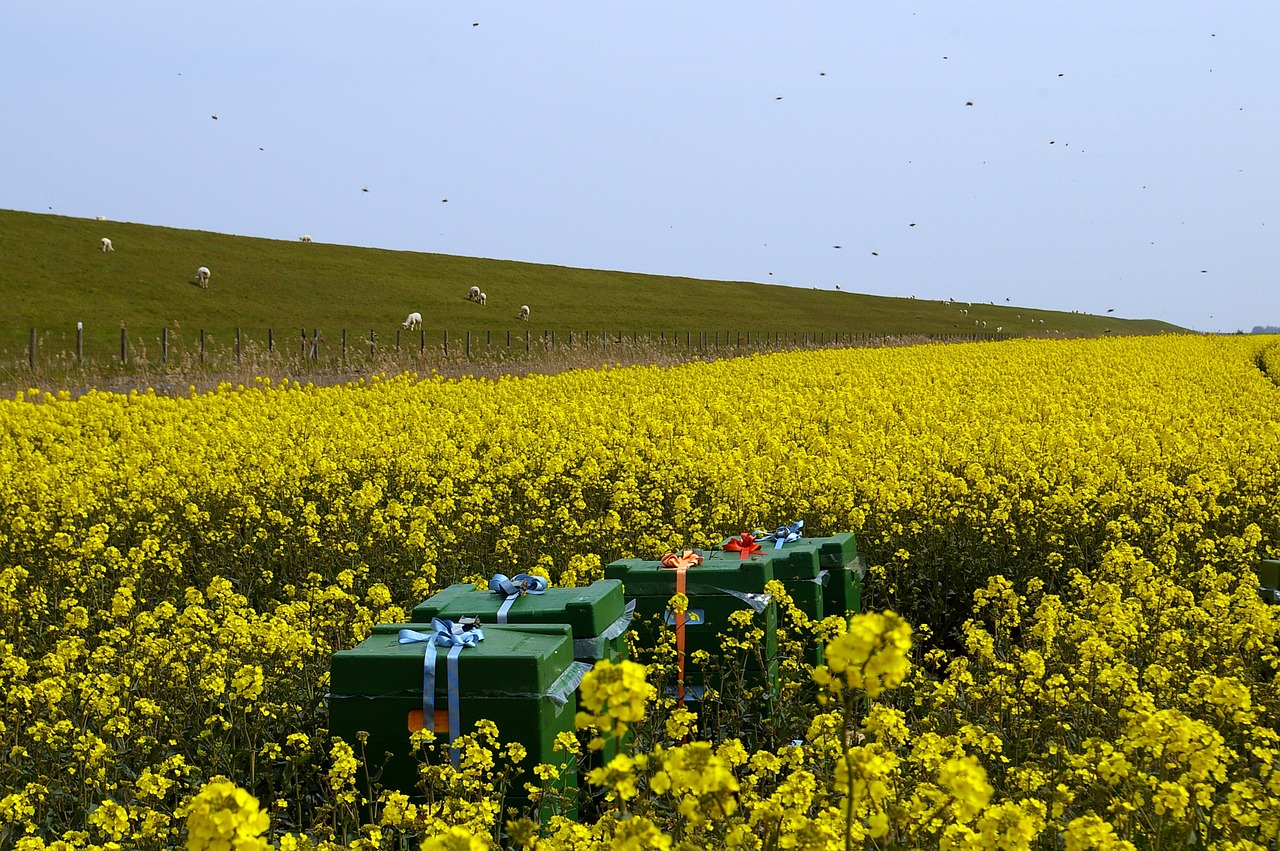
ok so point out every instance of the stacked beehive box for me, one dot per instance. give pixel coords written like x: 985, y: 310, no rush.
x: 405, y: 677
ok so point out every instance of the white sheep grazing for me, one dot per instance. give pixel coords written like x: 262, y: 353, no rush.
x: 102, y: 218
x: 106, y: 244
x: 473, y: 294
x: 202, y: 276
x: 524, y: 312
x: 483, y: 298
x: 306, y: 237
x: 413, y: 322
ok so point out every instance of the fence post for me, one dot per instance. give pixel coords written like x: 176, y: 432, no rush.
x: 271, y: 341
x: 315, y: 344
x: 79, y: 342
x: 397, y: 341
x: 488, y: 340
x: 164, y: 345
x: 526, y: 341
x: 468, y: 345
x: 371, y: 343
x: 304, y: 343
x: 201, y: 345
x: 344, y: 345
x: 446, y: 342
x: 237, y: 345
x: 422, y: 340
x: 124, y: 344
x: 508, y: 340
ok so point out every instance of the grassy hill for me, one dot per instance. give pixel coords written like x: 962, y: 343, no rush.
x: 52, y: 275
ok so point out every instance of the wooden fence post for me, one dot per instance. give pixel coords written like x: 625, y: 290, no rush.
x: 79, y: 342
x: 344, y: 345
x: 201, y: 345
x: 124, y: 345
x: 271, y: 341
x: 446, y: 342
x: 237, y: 345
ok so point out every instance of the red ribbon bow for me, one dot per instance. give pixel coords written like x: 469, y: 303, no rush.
x: 686, y: 559
x: 744, y: 546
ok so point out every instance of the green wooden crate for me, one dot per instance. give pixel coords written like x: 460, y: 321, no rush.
x: 598, y: 613
x: 716, y: 589
x: 523, y: 678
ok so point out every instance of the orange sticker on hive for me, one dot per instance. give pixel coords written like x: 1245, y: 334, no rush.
x: 442, y: 720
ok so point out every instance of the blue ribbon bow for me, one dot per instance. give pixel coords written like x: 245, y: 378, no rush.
x: 783, y: 534
x: 444, y: 633
x: 513, y: 588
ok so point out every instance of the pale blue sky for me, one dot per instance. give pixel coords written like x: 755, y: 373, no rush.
x: 1111, y: 153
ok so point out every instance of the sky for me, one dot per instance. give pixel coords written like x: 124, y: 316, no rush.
x: 1086, y: 156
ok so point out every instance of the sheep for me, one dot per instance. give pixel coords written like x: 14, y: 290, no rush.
x: 106, y: 244
x: 306, y: 237
x: 999, y: 329
x: 524, y: 312
x: 102, y: 218
x: 413, y: 322
x: 202, y: 276
x: 483, y: 298
x: 473, y: 294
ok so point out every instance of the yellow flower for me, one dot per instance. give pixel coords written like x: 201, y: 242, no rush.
x: 224, y: 817
x: 871, y: 653
x: 455, y: 839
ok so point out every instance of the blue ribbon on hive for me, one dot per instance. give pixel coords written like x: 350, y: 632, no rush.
x: 783, y: 534
x: 444, y: 633
x: 513, y: 588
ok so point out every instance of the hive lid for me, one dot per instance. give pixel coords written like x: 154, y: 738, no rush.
x: 718, y: 571
x: 589, y: 610
x: 522, y: 660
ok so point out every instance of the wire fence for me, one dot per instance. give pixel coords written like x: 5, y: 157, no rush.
x: 176, y: 355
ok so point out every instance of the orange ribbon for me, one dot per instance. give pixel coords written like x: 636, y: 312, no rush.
x: 680, y: 564
x: 744, y: 546
x: 686, y: 559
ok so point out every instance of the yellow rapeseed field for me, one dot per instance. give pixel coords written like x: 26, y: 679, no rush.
x: 1064, y: 647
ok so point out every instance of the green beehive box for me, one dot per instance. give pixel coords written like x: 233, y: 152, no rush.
x: 721, y: 585
x: 1268, y: 571
x: 523, y: 678
x: 597, y: 614
x: 838, y: 556
x: 796, y: 565
x: 807, y: 595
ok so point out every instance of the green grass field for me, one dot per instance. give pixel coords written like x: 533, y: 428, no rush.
x: 53, y: 275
